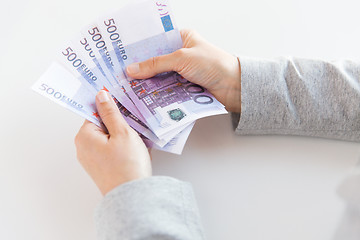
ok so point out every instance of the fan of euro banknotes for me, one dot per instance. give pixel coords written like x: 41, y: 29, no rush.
x: 162, y: 109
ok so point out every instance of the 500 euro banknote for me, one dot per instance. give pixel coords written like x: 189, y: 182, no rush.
x: 60, y: 86
x: 138, y: 32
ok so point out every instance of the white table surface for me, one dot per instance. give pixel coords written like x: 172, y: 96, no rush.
x: 249, y: 188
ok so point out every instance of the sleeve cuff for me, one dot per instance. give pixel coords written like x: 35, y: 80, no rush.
x: 262, y: 96
x: 150, y: 208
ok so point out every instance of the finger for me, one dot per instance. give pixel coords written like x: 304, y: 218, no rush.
x: 89, y: 131
x: 185, y: 33
x: 190, y: 38
x: 91, y: 127
x: 110, y: 114
x: 156, y: 65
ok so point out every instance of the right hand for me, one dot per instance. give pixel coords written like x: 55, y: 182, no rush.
x: 201, y: 63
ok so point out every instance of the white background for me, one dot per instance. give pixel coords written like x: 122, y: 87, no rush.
x: 247, y: 187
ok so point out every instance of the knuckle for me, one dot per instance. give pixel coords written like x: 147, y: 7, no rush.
x: 77, y: 139
x: 154, y: 62
x: 79, y: 157
x: 186, y: 32
x: 124, y: 132
x: 181, y: 57
x: 191, y: 38
x: 108, y: 114
x: 180, y: 53
x: 191, y: 31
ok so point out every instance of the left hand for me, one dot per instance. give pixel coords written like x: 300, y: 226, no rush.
x: 201, y: 63
x: 111, y: 158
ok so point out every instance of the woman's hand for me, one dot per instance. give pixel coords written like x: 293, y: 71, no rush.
x: 201, y: 63
x: 111, y: 158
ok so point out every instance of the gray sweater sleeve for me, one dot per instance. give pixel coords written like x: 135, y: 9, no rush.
x: 283, y: 96
x: 309, y: 98
x: 149, y: 209
x: 300, y: 97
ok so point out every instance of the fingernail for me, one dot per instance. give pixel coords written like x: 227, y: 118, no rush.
x: 133, y: 68
x: 103, y: 96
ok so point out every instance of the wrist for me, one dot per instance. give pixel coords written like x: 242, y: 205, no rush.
x: 227, y: 82
x: 233, y: 83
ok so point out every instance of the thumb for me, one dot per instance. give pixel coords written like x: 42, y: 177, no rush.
x: 110, y: 114
x: 156, y: 65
